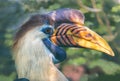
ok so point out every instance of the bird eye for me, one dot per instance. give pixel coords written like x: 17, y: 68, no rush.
x: 48, y: 30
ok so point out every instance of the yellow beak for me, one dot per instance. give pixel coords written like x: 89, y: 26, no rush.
x: 80, y: 36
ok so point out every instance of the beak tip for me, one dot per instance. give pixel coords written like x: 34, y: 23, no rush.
x: 111, y: 53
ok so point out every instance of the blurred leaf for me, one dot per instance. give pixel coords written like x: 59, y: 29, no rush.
x: 55, y: 6
x: 116, y: 8
x: 7, y: 78
x: 107, y: 66
x: 77, y: 61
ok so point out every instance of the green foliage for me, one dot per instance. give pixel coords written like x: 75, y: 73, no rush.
x: 7, y: 78
x: 108, y: 67
x: 77, y: 61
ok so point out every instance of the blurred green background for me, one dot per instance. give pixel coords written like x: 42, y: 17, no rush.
x: 102, y: 16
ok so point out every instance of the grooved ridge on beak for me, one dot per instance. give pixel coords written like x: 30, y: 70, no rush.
x: 72, y: 35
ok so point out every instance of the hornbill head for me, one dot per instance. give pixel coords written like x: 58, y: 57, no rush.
x: 63, y: 27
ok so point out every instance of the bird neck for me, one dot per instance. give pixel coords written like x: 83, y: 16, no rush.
x: 33, y: 61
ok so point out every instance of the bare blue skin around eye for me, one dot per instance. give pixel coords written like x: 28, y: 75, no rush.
x: 44, y: 27
x: 59, y: 54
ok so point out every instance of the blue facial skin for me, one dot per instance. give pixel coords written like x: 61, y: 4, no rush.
x: 47, y: 29
x: 59, y: 54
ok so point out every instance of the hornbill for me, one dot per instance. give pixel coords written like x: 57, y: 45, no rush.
x: 38, y: 42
